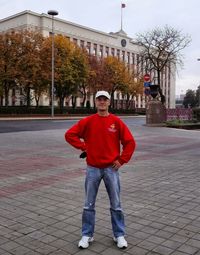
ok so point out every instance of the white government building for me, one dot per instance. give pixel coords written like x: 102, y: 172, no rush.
x: 96, y: 42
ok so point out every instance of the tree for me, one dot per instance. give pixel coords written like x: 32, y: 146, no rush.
x: 115, y: 76
x: 198, y: 96
x: 21, y: 63
x: 94, y: 75
x: 160, y: 48
x: 1, y: 93
x: 189, y: 99
x: 135, y: 86
x: 70, y: 67
x: 9, y: 45
x: 80, y: 66
x: 29, y: 64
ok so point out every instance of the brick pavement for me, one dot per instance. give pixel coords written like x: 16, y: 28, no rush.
x: 42, y: 192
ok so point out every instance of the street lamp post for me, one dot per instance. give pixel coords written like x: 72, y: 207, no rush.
x: 52, y: 13
x: 198, y: 59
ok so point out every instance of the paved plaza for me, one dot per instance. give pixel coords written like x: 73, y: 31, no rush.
x: 42, y: 194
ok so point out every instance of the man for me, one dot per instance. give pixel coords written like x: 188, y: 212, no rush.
x: 99, y: 137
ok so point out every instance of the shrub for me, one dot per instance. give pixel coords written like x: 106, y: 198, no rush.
x: 46, y: 110
x: 196, y: 113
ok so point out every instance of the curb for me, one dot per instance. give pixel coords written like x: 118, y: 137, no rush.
x: 60, y: 117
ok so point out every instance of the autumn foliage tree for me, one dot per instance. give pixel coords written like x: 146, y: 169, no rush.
x: 80, y: 66
x: 94, y: 79
x: 29, y: 64
x: 20, y: 62
x: 115, y: 76
x: 135, y: 87
x: 71, y: 68
x: 9, y: 55
x: 25, y: 64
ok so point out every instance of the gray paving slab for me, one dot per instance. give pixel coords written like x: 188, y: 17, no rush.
x: 42, y: 194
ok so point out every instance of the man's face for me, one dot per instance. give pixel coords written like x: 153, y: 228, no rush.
x: 102, y: 103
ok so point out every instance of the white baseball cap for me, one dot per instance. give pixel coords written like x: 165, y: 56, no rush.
x: 102, y: 93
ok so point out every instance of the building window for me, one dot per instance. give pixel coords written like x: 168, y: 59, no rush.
x: 138, y: 59
x: 95, y: 49
x: 113, y: 52
x: 75, y: 41
x: 142, y: 65
x: 101, y: 51
x: 118, y: 54
x: 133, y: 58
x: 88, y: 48
x: 138, y: 66
x: 123, y: 55
x: 128, y: 57
x: 107, y: 51
x: 82, y: 44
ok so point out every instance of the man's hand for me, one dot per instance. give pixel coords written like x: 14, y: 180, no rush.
x: 83, y: 154
x: 116, y: 165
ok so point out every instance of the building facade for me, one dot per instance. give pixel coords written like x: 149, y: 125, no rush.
x: 96, y: 42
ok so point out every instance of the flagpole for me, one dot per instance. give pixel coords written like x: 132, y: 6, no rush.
x: 121, y: 15
x: 122, y: 6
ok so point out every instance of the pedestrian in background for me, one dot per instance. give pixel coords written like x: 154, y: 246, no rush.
x: 100, y: 136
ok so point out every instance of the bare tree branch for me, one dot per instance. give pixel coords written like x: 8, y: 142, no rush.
x: 161, y: 48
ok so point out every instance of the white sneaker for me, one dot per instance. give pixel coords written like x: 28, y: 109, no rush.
x: 84, y: 242
x: 121, y: 242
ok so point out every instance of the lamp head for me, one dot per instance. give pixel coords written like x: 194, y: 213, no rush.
x: 52, y: 12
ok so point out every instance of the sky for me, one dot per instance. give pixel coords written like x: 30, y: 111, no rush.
x: 138, y: 17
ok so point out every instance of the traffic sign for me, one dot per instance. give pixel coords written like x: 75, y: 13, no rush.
x: 147, y: 83
x: 147, y: 91
x: 146, y: 77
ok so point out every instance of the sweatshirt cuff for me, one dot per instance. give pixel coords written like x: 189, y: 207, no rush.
x: 121, y: 161
x: 83, y: 147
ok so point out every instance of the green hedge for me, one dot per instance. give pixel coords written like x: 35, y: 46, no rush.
x: 196, y: 114
x: 45, y: 110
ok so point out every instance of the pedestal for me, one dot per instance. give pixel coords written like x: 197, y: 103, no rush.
x: 155, y: 112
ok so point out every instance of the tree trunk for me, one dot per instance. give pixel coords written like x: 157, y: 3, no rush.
x: 37, y: 99
x: 127, y: 101
x: 159, y: 87
x: 61, y: 102
x: 84, y: 94
x: 112, y: 99
x: 94, y: 106
x: 84, y: 99
x: 1, y: 100
x: 74, y: 102
x: 28, y: 96
x: 6, y: 91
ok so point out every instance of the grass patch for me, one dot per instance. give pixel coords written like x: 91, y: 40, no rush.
x: 184, y: 124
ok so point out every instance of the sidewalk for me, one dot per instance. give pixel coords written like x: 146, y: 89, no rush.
x: 42, y: 194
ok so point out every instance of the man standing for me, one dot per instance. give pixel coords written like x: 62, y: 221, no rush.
x: 99, y: 137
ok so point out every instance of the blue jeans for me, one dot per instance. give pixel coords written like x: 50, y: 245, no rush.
x: 92, y: 181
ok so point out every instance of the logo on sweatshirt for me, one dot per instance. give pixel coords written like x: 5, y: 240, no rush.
x: 112, y: 128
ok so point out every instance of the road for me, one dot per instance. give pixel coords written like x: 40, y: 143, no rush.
x: 7, y: 126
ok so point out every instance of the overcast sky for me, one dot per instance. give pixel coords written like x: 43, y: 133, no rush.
x: 138, y: 17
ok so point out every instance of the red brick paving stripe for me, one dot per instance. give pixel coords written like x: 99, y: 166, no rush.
x: 18, y: 166
x: 169, y: 151
x: 166, y: 140
x: 40, y: 182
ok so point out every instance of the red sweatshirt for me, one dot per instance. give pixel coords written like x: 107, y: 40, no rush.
x: 100, y: 137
